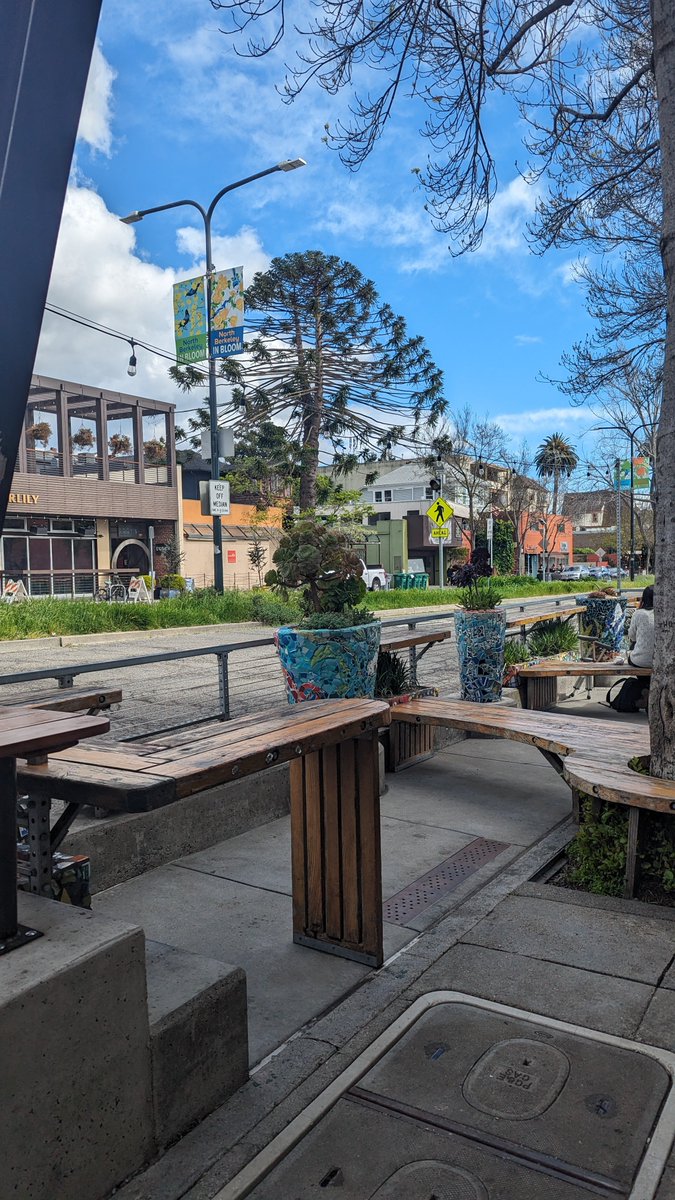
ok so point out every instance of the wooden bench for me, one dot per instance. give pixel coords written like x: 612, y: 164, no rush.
x: 591, y: 754
x: 537, y: 683
x: 332, y: 748
x: 523, y: 623
x: 84, y: 699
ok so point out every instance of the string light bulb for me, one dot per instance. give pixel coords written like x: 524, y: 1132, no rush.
x: 131, y: 369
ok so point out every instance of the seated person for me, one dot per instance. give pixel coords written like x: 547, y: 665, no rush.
x: 641, y: 632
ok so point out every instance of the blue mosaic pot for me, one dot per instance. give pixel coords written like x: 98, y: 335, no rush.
x: 480, y: 648
x: 329, y: 664
x: 604, y: 620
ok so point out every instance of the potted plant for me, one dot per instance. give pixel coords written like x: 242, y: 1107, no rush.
x: 603, y: 621
x: 480, y: 628
x: 155, y: 452
x: 119, y: 444
x: 39, y: 433
x: 83, y: 438
x: 171, y: 586
x: 332, y: 652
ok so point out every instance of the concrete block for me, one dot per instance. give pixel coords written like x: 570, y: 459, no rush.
x: 122, y: 847
x: 198, y: 1036
x: 75, y: 1084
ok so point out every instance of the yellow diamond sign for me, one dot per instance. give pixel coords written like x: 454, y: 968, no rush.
x: 440, y: 511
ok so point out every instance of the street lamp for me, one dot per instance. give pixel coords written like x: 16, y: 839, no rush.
x: 288, y: 164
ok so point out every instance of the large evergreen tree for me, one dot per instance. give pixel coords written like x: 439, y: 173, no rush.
x: 329, y: 362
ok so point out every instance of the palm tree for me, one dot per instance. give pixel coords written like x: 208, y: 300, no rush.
x: 556, y: 459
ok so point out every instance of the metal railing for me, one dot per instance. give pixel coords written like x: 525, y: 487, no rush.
x: 247, y: 682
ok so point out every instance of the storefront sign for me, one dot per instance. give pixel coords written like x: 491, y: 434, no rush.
x: 189, y: 319
x: 23, y: 498
x: 232, y: 556
x: 227, y: 313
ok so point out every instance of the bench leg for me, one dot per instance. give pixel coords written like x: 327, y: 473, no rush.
x: 542, y: 692
x: 335, y: 847
x: 631, y: 851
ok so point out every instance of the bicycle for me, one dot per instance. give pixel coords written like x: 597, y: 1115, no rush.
x: 112, y: 589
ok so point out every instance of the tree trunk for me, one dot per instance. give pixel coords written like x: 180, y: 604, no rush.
x: 662, y: 691
x: 311, y: 424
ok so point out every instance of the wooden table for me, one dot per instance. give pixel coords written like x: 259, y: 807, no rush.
x: 332, y: 748
x: 538, y: 683
x: 27, y: 732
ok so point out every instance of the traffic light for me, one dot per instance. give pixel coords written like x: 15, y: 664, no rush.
x: 435, y: 485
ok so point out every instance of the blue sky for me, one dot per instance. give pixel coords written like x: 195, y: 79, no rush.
x: 172, y: 112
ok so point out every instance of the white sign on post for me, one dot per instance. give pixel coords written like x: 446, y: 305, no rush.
x: 215, y: 497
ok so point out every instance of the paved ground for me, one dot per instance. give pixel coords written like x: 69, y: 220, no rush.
x: 600, y: 964
x: 233, y: 901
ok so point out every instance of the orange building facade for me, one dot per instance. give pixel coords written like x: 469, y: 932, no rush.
x: 547, y: 543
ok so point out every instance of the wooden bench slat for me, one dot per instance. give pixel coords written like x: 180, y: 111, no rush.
x: 117, y: 790
x: 420, y: 639
x: 545, y: 670
x: 66, y: 699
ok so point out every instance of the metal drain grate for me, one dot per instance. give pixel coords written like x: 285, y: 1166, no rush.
x: 440, y: 881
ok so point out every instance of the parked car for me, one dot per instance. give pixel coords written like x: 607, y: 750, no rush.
x: 578, y: 571
x: 612, y: 573
x: 599, y: 572
x: 375, y: 578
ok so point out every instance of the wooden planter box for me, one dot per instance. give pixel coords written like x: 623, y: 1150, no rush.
x: 405, y: 745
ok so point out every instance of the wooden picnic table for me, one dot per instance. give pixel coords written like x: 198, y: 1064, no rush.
x: 332, y: 746
x: 32, y: 733
x: 537, y: 683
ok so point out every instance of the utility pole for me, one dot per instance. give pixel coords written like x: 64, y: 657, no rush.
x: 441, y: 480
x: 617, y: 469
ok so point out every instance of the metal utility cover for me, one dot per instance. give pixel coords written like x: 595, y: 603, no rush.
x: 464, y: 1099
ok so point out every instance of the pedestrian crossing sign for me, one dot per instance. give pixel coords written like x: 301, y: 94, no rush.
x: 440, y: 511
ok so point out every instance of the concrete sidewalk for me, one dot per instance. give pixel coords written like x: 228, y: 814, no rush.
x: 596, y: 963
x: 232, y: 902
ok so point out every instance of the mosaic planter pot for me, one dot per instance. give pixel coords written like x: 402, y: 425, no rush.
x: 329, y: 664
x: 480, y: 648
x: 603, y: 620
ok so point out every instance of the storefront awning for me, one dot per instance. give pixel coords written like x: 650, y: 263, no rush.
x: 232, y: 533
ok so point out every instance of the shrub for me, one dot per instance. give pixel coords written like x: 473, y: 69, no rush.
x: 338, y: 620
x: 393, y: 676
x: 553, y: 637
x: 318, y: 562
x: 480, y: 596
x: 515, y: 652
x: 597, y: 855
x: 174, y: 583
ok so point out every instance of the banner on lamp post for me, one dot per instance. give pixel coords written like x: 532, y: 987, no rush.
x: 227, y: 313
x: 189, y: 320
x: 642, y: 474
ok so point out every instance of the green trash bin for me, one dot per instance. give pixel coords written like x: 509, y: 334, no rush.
x: 398, y: 579
x: 421, y: 579
x: 409, y: 580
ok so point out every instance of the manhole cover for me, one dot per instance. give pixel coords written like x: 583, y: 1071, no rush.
x: 463, y: 1099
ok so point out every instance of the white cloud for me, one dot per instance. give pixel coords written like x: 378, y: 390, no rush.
x: 244, y: 248
x: 509, y: 212
x: 96, y: 118
x: 362, y: 218
x: 98, y: 273
x: 542, y: 420
x: 569, y: 273
x: 526, y: 339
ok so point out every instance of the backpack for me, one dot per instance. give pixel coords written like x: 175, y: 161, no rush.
x: 627, y: 699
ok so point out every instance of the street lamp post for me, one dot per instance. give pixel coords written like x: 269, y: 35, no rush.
x: 289, y: 164
x: 631, y: 433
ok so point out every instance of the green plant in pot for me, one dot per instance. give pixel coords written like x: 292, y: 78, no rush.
x: 332, y: 652
x: 480, y: 628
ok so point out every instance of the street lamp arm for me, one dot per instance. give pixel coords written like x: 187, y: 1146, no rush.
x: 145, y: 212
x: 240, y: 183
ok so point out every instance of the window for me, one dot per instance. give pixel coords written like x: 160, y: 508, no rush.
x: 15, y: 522
x: 428, y: 493
x: 61, y: 525
x: 561, y: 527
x: 401, y: 494
x: 387, y: 495
x: 377, y: 497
